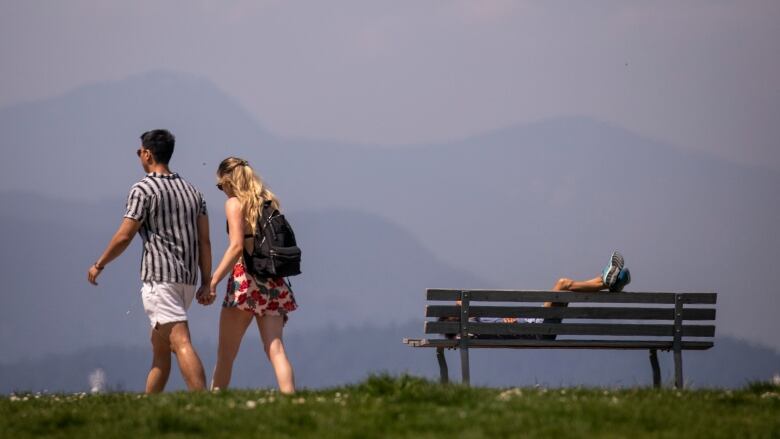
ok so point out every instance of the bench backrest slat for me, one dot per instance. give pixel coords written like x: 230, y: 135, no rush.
x: 698, y: 298
x: 603, y: 329
x: 571, y: 312
x: 569, y: 297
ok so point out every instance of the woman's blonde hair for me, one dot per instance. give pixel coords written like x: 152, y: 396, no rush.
x: 236, y: 175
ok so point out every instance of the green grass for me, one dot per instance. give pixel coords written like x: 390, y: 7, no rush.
x: 384, y: 406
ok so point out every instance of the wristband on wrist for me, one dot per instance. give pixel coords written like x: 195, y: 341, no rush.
x: 98, y: 266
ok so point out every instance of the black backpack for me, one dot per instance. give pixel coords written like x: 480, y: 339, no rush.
x: 276, y: 253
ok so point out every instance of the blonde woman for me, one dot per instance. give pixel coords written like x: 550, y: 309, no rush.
x: 265, y: 300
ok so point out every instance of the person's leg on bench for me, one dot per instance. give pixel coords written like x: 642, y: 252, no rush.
x: 578, y: 286
x: 590, y: 285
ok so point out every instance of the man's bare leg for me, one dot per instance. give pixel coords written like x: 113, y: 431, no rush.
x: 178, y: 335
x: 161, y: 363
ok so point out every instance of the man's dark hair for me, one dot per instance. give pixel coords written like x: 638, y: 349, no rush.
x: 160, y: 143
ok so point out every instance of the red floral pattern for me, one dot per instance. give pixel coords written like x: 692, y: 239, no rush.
x: 261, y: 296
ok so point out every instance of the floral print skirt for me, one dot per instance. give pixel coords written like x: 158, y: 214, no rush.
x: 261, y: 296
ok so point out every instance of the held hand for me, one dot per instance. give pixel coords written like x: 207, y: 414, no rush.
x: 200, y: 295
x: 93, y: 274
x: 212, y: 292
x: 205, y: 296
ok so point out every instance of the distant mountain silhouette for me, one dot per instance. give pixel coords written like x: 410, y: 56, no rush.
x: 514, y: 208
x: 329, y: 357
x: 82, y: 144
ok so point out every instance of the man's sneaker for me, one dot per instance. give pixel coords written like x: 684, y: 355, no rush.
x: 610, y: 273
x: 623, y: 279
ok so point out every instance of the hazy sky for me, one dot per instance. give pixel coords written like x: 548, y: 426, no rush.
x: 700, y: 74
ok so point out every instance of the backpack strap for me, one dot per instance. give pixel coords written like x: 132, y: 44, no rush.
x: 266, y: 213
x: 267, y: 205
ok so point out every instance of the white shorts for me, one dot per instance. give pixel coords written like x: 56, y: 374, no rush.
x: 166, y: 302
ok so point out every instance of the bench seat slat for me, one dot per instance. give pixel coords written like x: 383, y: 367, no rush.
x: 656, y: 330
x: 567, y: 297
x: 559, y: 344
x: 571, y: 312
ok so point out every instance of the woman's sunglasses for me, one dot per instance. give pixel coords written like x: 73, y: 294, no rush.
x: 220, y: 187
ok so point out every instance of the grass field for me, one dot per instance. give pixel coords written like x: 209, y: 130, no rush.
x: 400, y: 407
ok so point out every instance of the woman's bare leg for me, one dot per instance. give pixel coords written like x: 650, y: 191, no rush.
x: 232, y: 326
x: 271, y: 328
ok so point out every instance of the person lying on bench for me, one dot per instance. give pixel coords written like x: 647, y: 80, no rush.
x: 614, y: 278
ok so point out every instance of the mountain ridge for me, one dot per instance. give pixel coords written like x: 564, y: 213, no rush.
x: 163, y: 77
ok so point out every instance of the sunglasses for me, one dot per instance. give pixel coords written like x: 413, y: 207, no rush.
x: 138, y: 153
x: 220, y: 186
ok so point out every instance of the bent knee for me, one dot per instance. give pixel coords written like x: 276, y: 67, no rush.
x: 563, y: 283
x: 274, y: 348
x: 179, y: 342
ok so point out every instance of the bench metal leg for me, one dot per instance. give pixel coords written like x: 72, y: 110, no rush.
x: 445, y: 378
x: 463, y: 344
x: 677, y: 345
x: 656, y: 369
x: 464, y: 365
x: 678, y: 371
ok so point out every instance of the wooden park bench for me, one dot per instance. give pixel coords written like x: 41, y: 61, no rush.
x: 651, y: 321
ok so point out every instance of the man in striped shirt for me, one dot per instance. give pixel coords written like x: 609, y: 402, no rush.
x: 171, y: 216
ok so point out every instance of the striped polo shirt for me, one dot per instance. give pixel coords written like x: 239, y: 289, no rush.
x: 167, y: 207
